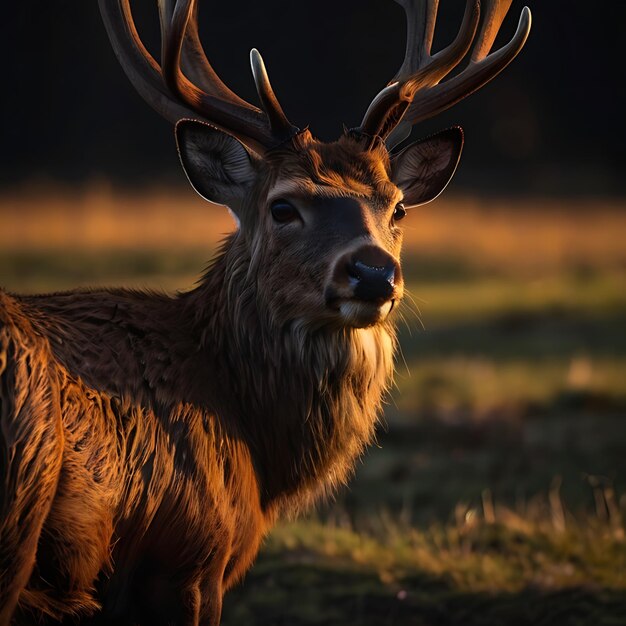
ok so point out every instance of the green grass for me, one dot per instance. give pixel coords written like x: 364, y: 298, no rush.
x: 514, y: 297
x: 481, y: 383
x: 508, y: 570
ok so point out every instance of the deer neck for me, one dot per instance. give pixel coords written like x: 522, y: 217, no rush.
x: 305, y: 401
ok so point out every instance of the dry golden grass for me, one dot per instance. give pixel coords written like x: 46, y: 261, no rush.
x: 523, y: 234
x: 97, y: 218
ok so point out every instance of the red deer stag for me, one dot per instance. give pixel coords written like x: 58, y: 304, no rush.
x: 148, y: 443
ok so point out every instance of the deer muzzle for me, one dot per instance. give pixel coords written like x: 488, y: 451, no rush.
x: 365, y: 284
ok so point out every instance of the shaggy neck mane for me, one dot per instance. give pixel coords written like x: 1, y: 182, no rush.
x: 306, y: 400
x: 302, y: 399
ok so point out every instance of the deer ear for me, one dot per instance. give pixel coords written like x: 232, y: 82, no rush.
x: 424, y: 168
x: 217, y: 165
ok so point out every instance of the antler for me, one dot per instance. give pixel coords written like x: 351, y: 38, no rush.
x: 416, y: 93
x: 185, y: 85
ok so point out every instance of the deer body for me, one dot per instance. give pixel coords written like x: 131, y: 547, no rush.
x: 148, y: 442
x: 177, y: 487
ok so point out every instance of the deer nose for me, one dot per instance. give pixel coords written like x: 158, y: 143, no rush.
x: 372, y: 273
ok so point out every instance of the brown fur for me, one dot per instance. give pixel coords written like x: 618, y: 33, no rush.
x: 148, y: 443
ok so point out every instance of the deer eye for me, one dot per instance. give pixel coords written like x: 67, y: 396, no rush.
x: 282, y: 211
x: 399, y: 212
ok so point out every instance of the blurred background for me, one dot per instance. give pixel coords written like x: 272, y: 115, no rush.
x: 497, y: 489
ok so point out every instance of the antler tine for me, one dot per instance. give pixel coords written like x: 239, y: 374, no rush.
x: 482, y: 68
x: 388, y: 107
x: 267, y: 129
x: 279, y: 123
x: 494, y: 12
x: 441, y: 64
x: 143, y: 71
x: 194, y: 62
x: 246, y: 122
x: 166, y: 11
x: 171, y: 92
x: 420, y: 24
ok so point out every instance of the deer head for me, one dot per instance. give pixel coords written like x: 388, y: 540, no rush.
x: 320, y: 219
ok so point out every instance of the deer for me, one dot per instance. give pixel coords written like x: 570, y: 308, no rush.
x: 149, y: 442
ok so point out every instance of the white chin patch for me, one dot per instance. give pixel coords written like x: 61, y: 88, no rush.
x: 360, y: 314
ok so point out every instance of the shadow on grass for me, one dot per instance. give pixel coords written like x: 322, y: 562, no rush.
x: 279, y: 593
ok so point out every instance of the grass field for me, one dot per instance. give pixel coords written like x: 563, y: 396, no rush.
x: 497, y: 491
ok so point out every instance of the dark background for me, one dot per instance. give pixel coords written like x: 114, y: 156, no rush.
x: 551, y: 124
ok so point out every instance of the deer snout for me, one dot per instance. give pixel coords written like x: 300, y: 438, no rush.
x: 369, y: 274
x: 373, y: 283
x: 364, y: 284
